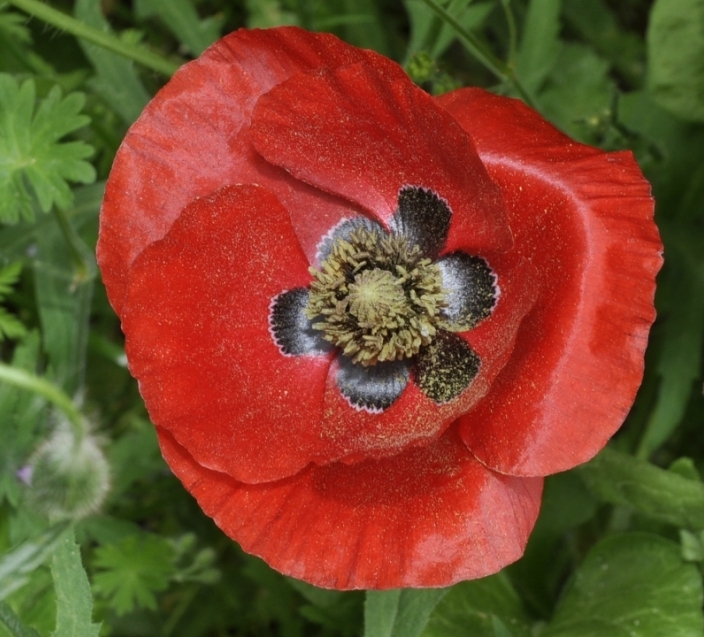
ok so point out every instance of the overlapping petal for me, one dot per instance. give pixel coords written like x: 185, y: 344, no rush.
x: 353, y: 133
x: 193, y: 138
x: 584, y: 219
x: 196, y: 318
x: 427, y: 517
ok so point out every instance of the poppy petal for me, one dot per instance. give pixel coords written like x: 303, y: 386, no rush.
x: 446, y: 367
x: 423, y: 218
x: 584, y: 219
x: 429, y: 517
x: 472, y: 291
x: 198, y: 338
x: 291, y: 328
x: 193, y: 138
x: 353, y: 133
x: 373, y: 388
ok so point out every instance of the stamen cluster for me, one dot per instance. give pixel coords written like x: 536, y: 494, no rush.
x: 376, y: 297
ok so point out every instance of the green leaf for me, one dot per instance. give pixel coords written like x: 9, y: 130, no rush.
x: 675, y: 41
x: 540, y: 46
x: 399, y: 613
x: 680, y: 364
x: 74, y: 604
x: 488, y: 607
x: 14, y: 624
x: 182, y: 19
x: 430, y: 34
x: 18, y: 564
x: 132, y: 570
x: 662, y: 495
x: 10, y: 325
x: 32, y: 159
x: 117, y: 81
x: 64, y: 299
x: 264, y: 14
x: 578, y: 90
x: 631, y: 585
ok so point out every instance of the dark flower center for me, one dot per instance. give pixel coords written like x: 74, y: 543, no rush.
x: 376, y: 297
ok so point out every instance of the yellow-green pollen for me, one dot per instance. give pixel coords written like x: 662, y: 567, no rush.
x: 376, y: 297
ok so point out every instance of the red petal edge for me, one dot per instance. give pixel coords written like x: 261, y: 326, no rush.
x: 198, y: 339
x: 193, y: 138
x: 353, y: 133
x: 429, y: 517
x: 585, y: 220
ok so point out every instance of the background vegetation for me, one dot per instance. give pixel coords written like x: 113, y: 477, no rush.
x: 619, y: 546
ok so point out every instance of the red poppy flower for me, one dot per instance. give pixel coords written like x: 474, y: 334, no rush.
x: 365, y: 321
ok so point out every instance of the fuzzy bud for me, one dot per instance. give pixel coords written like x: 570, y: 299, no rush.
x: 69, y: 477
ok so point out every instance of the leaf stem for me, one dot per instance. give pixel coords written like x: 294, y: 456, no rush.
x: 482, y: 52
x: 512, y: 33
x: 49, y: 391
x: 110, y: 42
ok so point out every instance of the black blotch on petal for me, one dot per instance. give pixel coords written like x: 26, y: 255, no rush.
x: 343, y: 230
x: 373, y: 388
x: 471, y: 291
x: 423, y: 218
x: 446, y: 367
x: 291, y: 329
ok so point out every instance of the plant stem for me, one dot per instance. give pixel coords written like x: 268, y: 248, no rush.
x: 25, y: 380
x: 110, y: 42
x: 512, y: 33
x: 480, y: 51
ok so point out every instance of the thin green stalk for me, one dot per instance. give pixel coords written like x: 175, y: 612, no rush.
x: 512, y: 33
x: 480, y: 51
x: 25, y: 380
x: 82, y: 257
x: 110, y: 42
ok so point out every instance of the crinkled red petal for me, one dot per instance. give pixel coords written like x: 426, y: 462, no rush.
x: 414, y: 419
x: 193, y: 139
x: 427, y: 518
x: 196, y: 321
x: 353, y: 133
x: 584, y: 218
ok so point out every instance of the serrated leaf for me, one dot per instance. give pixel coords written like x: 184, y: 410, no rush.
x: 183, y: 21
x: 33, y: 161
x: 10, y: 326
x: 488, y: 607
x: 132, y: 570
x: 74, y: 604
x: 399, y: 613
x: 675, y: 41
x: 631, y: 585
x: 117, y: 81
x: 16, y: 565
x: 662, y: 495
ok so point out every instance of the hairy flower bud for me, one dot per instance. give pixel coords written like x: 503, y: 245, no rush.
x: 69, y: 475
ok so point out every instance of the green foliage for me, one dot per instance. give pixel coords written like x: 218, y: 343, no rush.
x: 31, y: 155
x: 130, y: 572
x: 10, y: 325
x: 620, y: 75
x: 483, y: 608
x: 676, y: 56
x: 74, y: 604
x: 631, y: 584
x: 399, y: 613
